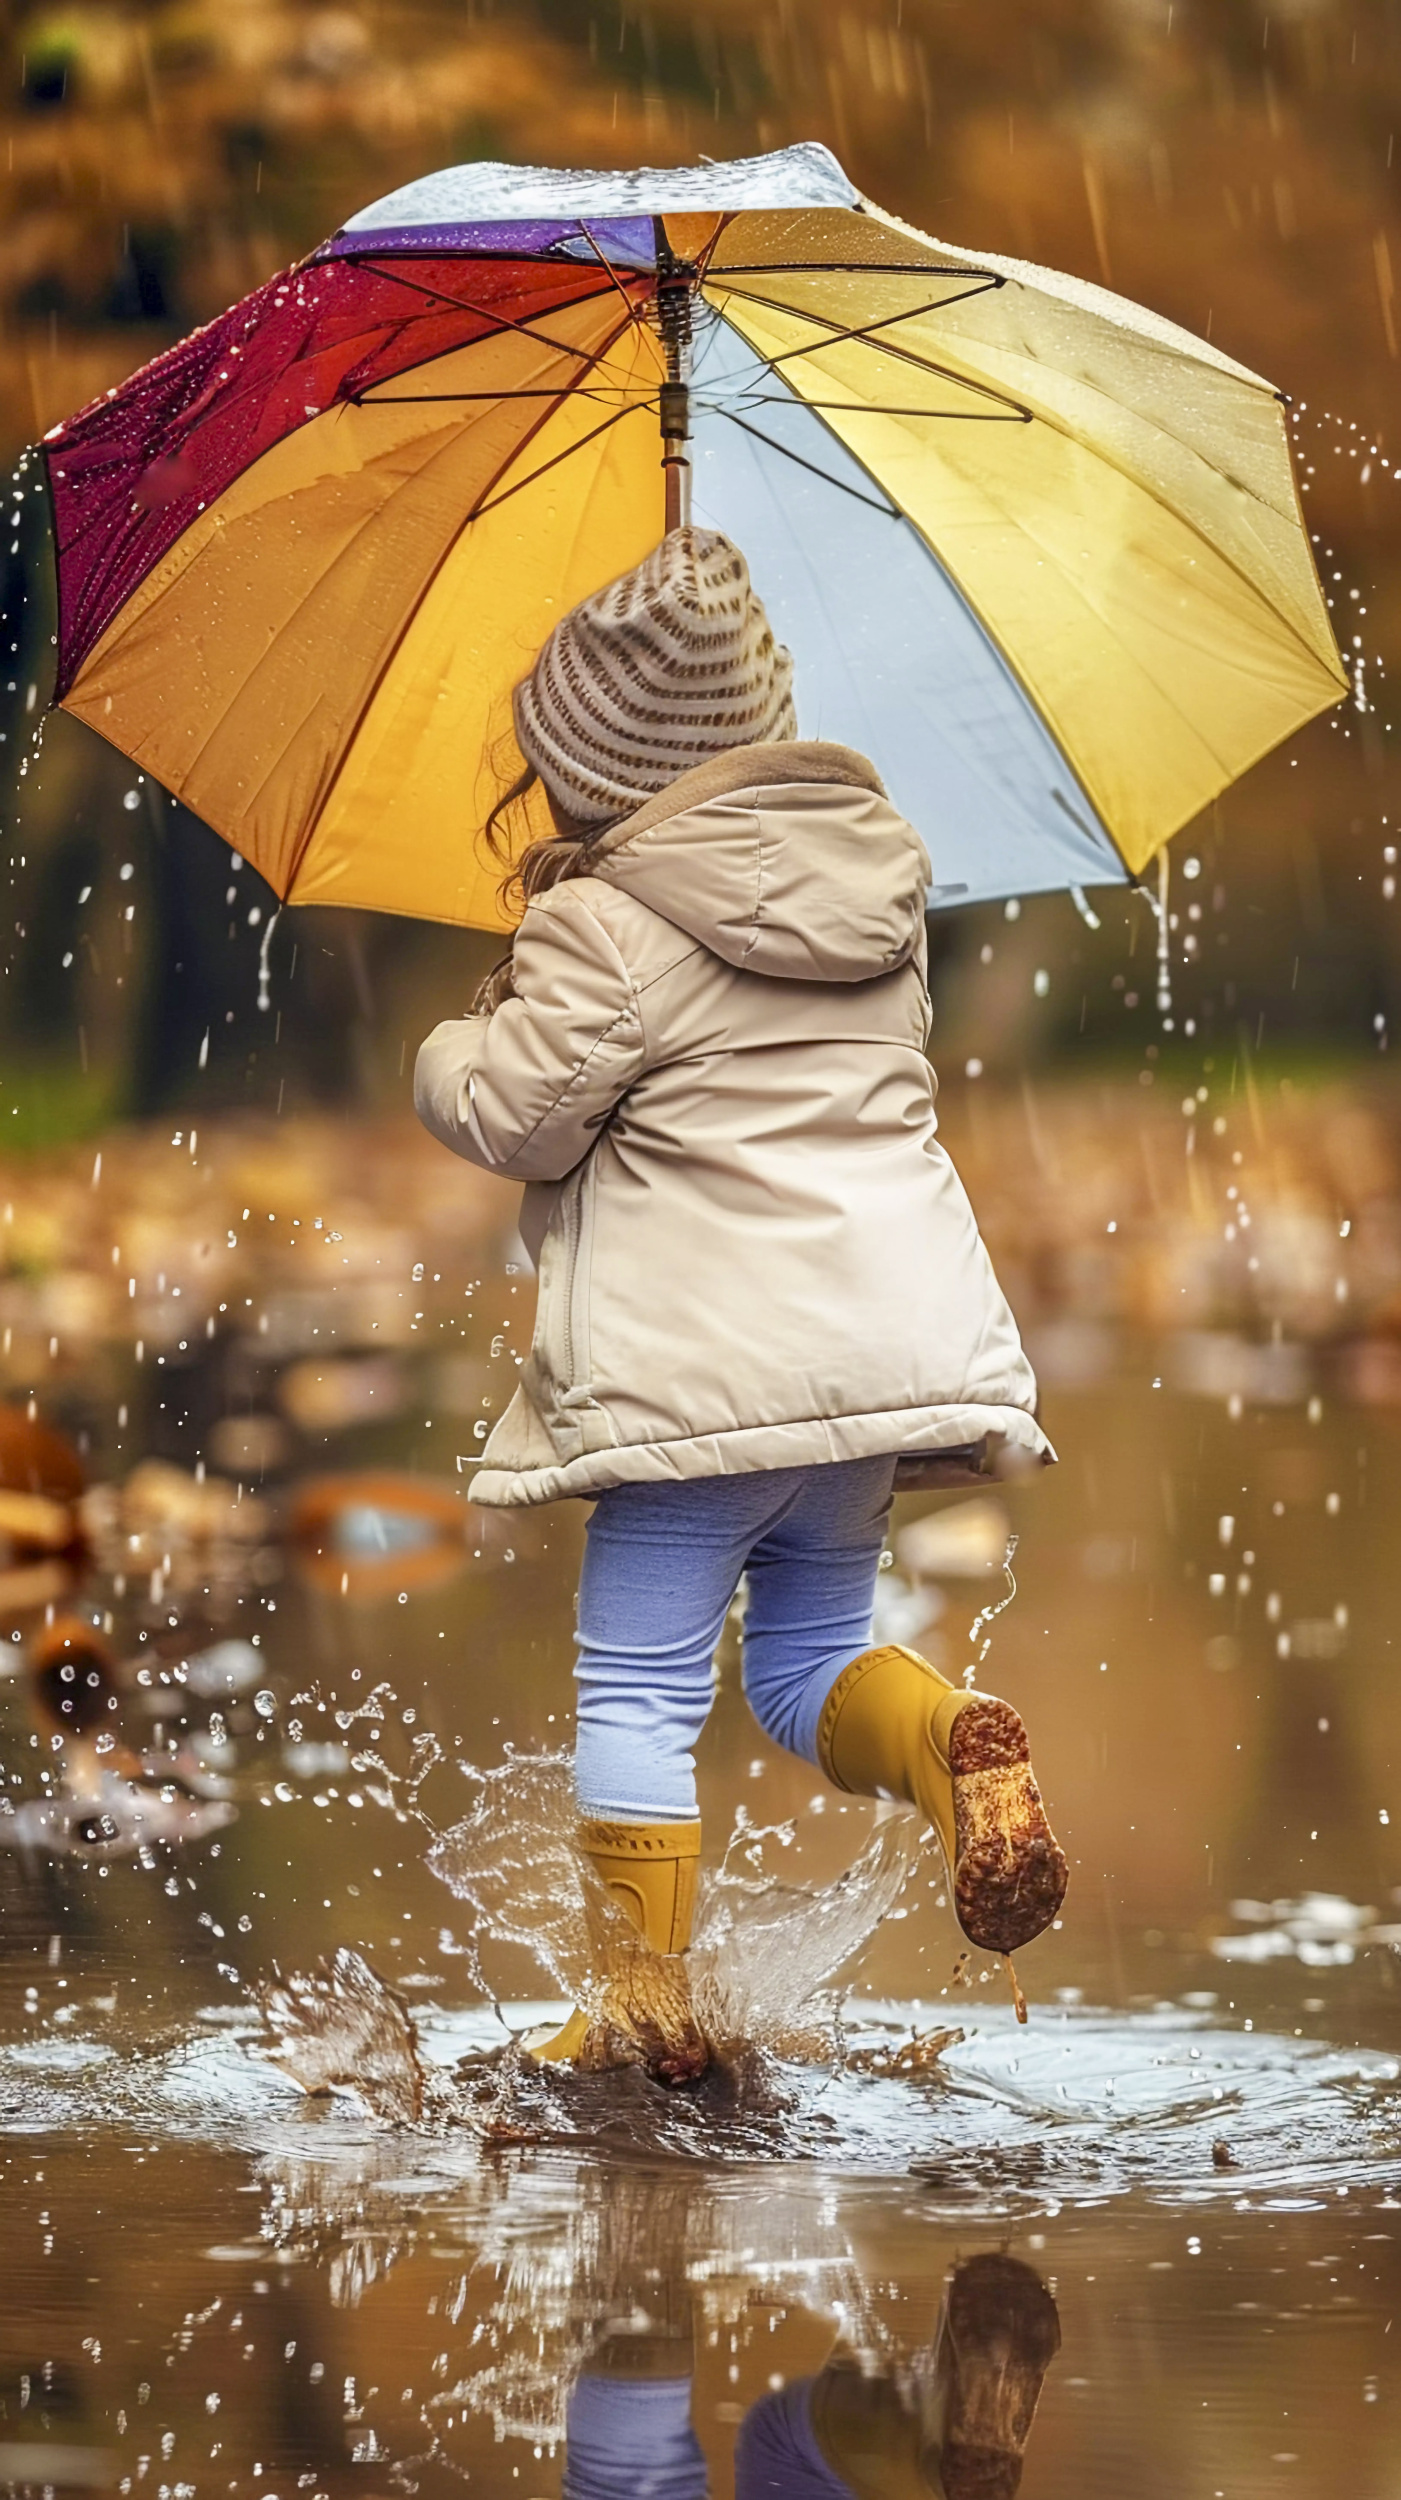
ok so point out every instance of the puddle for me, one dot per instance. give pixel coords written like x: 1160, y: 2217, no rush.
x: 1089, y: 2106
x: 828, y: 2283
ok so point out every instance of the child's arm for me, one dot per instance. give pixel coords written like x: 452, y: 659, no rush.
x: 525, y: 1090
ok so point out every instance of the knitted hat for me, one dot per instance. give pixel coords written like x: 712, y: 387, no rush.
x: 672, y: 663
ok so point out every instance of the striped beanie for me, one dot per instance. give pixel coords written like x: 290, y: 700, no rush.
x: 672, y: 663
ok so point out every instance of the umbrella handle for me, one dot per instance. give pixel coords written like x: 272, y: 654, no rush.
x: 678, y: 494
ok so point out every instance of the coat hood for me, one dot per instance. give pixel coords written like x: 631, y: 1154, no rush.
x: 785, y: 858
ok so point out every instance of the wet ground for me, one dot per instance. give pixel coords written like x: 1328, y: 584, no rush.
x: 1168, y: 2208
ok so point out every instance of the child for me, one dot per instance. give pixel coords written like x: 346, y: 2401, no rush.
x: 763, y: 1301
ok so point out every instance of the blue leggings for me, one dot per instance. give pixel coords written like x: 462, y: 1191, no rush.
x: 661, y: 1568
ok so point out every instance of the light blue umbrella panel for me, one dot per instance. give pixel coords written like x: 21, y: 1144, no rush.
x: 887, y: 656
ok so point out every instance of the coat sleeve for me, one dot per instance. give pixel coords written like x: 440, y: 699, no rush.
x: 524, y: 1091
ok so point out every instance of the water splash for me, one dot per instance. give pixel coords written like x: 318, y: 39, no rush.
x: 989, y: 1614
x: 1173, y: 2107
x: 340, y: 2025
x: 763, y: 1968
x: 513, y: 1861
x: 765, y: 1952
x: 342, y: 2028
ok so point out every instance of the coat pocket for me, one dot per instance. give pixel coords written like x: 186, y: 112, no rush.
x: 559, y: 1374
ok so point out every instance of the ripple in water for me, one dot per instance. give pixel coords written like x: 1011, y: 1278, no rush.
x: 1097, y: 2104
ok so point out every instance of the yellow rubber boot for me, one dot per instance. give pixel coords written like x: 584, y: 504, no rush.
x: 649, y: 1870
x: 892, y: 1726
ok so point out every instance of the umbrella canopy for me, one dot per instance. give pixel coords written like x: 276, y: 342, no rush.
x: 1035, y: 550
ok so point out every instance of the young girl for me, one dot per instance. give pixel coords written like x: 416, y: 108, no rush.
x: 764, y: 1305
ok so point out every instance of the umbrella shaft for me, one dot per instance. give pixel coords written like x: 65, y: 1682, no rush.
x: 674, y: 314
x: 676, y: 468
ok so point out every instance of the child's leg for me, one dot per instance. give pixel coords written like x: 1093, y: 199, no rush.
x: 662, y: 1564
x: 883, y: 1721
x: 812, y: 1578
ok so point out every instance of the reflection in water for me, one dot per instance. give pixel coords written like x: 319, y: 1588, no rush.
x: 357, y: 2308
x: 598, y: 2292
x: 951, y: 2419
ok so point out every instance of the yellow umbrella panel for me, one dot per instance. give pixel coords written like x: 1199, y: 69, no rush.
x: 1129, y: 536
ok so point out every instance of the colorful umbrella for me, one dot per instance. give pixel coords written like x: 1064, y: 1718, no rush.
x: 1036, y: 551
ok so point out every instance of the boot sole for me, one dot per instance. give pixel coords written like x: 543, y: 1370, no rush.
x: 1002, y: 2334
x: 1010, y: 1872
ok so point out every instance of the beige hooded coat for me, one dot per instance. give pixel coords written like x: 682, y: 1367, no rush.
x: 752, y: 1249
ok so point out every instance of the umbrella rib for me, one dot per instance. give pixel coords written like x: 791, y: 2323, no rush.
x: 497, y: 322
x: 500, y: 320
x: 988, y: 278
x: 865, y: 408
x: 373, y: 396
x: 707, y: 252
x: 479, y: 510
x: 865, y: 337
x: 435, y: 399
x: 475, y: 514
x: 633, y: 313
x: 943, y: 303
x: 436, y: 294
x: 494, y: 316
x: 891, y: 511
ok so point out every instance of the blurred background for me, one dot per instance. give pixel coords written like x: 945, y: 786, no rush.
x: 1197, y: 1214
x: 253, y: 1324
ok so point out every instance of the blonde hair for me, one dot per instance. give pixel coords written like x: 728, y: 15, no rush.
x: 547, y: 861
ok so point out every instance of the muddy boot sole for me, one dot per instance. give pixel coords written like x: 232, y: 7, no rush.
x: 1010, y: 1872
